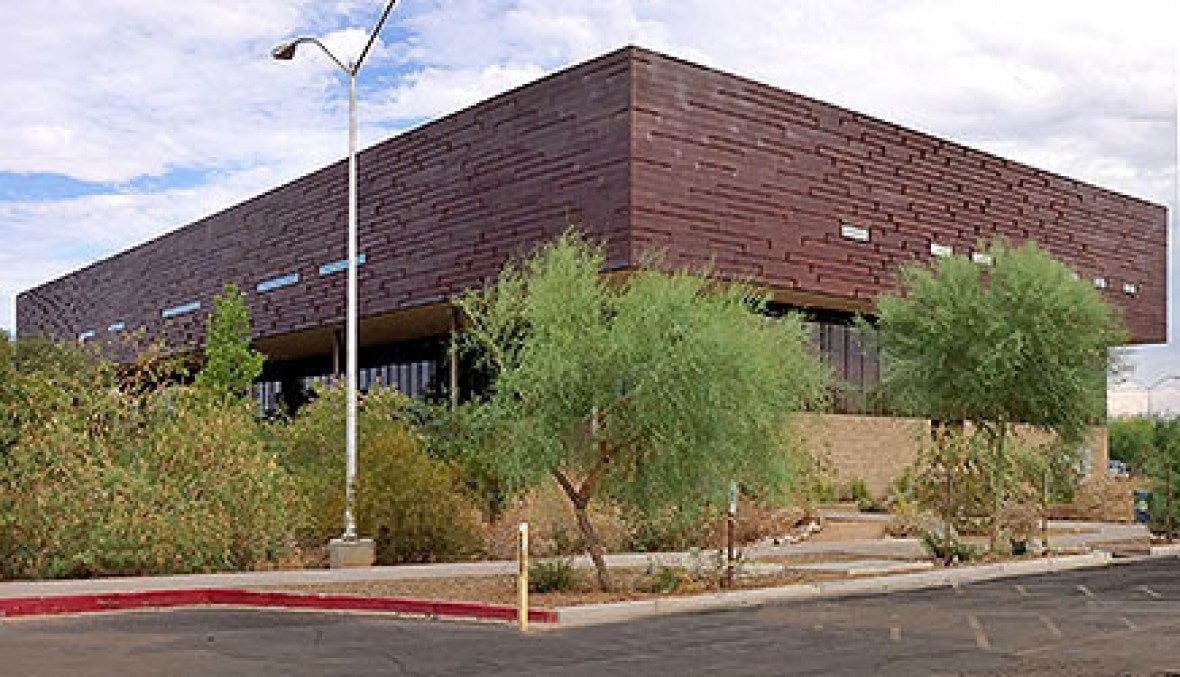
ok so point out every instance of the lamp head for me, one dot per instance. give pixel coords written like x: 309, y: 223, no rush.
x: 285, y: 51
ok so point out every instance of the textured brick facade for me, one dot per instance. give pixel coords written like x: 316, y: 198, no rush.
x: 642, y: 149
x: 440, y: 209
x: 758, y: 180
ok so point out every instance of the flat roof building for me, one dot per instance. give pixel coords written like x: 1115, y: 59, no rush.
x: 818, y: 203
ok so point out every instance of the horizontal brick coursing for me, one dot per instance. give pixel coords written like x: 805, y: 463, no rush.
x: 642, y: 149
x: 756, y: 181
x: 440, y: 210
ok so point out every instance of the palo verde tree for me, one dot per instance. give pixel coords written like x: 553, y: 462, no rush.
x: 231, y: 365
x: 1020, y: 341
x: 653, y: 389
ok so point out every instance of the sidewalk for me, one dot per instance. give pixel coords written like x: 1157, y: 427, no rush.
x: 883, y: 547
x: 905, y: 547
x: 237, y: 588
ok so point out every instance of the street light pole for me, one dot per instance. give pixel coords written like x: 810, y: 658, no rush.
x: 351, y: 331
x: 285, y: 52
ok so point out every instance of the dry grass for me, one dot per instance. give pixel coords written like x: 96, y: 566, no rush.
x: 1101, y: 498
x: 630, y: 584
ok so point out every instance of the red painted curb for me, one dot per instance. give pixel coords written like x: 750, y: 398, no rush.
x: 113, y: 601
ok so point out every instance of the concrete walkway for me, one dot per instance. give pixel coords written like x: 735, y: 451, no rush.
x: 869, y: 548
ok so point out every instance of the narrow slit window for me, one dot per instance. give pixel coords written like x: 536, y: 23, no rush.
x: 277, y: 283
x: 340, y: 266
x: 118, y: 326
x: 185, y: 309
x: 855, y: 233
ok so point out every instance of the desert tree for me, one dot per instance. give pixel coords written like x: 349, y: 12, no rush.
x: 652, y: 388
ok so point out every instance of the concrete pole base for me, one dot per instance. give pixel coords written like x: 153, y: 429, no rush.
x: 344, y: 554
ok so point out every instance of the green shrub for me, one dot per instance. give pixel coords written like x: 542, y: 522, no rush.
x: 669, y: 529
x: 179, y: 484
x: 935, y: 542
x: 910, y: 520
x: 552, y: 575
x: 858, y: 492
x: 412, y: 505
x: 661, y: 578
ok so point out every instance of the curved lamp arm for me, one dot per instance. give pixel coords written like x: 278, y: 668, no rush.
x: 286, y: 52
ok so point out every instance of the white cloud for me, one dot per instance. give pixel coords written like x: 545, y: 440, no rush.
x: 130, y: 89
x: 43, y: 240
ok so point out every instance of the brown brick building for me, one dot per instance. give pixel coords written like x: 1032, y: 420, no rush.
x: 818, y: 203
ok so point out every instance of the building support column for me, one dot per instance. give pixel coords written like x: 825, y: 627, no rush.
x: 336, y: 347
x: 454, y: 358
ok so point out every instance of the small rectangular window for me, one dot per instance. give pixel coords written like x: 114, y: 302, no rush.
x: 278, y: 283
x: 180, y: 310
x: 941, y: 250
x: 341, y: 265
x: 88, y: 334
x: 1130, y: 288
x: 118, y: 326
x: 1100, y: 283
x: 851, y: 232
x: 981, y: 258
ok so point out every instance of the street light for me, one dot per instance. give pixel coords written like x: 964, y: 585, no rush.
x: 286, y: 52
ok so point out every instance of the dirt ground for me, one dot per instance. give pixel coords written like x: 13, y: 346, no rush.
x: 835, y: 532
x: 631, y: 584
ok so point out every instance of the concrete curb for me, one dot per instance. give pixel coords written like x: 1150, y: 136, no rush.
x: 595, y: 614
x: 590, y: 614
x: 46, y: 605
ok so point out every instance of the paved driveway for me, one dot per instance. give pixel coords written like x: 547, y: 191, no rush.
x: 1122, y: 619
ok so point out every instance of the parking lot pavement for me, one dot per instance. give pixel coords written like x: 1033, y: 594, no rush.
x: 1120, y: 619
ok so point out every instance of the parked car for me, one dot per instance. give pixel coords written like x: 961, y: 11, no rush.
x: 1118, y: 468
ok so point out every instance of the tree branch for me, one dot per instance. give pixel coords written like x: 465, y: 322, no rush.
x: 568, y: 487
x: 593, y: 478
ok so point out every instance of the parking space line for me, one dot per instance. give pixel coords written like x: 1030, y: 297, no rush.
x: 1148, y: 591
x: 1050, y: 625
x: 981, y: 640
x: 895, y: 633
x: 1021, y: 590
x: 1108, y: 636
x: 1127, y: 622
x: 957, y: 588
x: 1086, y: 591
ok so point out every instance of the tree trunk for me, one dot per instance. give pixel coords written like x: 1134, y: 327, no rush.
x: 999, y: 483
x: 597, y: 554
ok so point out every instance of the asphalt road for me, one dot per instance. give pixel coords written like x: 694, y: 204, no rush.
x: 1122, y: 619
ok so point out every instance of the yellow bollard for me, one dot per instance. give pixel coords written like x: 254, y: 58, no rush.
x: 522, y: 578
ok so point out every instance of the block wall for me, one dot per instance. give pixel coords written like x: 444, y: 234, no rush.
x: 878, y: 449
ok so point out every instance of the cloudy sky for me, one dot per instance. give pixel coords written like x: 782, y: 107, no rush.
x: 124, y: 119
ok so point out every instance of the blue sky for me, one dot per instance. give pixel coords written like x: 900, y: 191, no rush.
x: 124, y: 119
